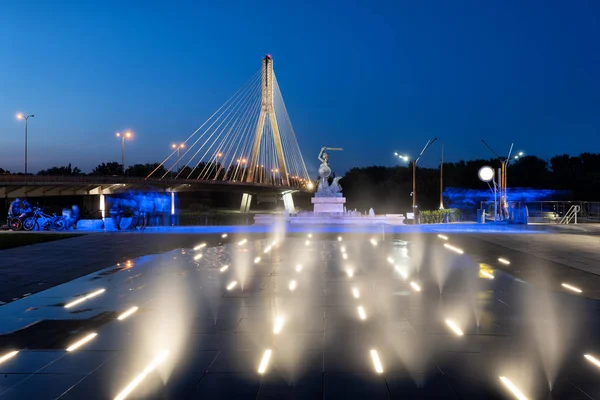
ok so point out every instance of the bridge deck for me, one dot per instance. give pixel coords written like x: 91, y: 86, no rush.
x: 12, y: 186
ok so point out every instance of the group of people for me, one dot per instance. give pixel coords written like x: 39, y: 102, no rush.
x: 22, y: 209
x: 143, y: 209
x: 19, y: 209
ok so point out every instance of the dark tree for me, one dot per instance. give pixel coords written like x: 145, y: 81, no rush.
x: 529, y: 172
x: 108, y: 169
x: 143, y: 170
x: 61, y: 171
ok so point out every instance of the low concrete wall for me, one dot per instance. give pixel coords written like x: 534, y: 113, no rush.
x: 269, y: 219
x: 109, y: 225
x: 90, y: 224
x: 125, y: 223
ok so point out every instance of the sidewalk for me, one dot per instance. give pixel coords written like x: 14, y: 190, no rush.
x: 30, y: 269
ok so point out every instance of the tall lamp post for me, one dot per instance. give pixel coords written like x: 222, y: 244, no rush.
x: 178, y: 147
x: 124, y: 135
x: 25, y: 117
x: 414, y: 163
x: 414, y: 173
x: 442, y: 179
x: 504, y: 161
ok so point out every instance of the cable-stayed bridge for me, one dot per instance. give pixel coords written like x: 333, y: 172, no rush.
x: 248, y: 143
x: 249, y: 139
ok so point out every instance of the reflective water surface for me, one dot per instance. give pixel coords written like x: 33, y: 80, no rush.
x: 305, y: 316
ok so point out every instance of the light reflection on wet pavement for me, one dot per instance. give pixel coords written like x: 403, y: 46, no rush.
x: 362, y: 317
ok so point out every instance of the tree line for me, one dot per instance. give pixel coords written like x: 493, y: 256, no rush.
x: 388, y: 188
x: 203, y: 170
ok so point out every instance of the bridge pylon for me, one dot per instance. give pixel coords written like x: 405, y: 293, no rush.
x: 267, y: 110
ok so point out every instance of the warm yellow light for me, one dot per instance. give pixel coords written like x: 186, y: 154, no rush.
x: 339, y: 238
x: 355, y: 293
x: 127, y: 313
x: 224, y: 268
x: 264, y: 362
x: 128, y: 134
x: 81, y: 342
x: 267, y: 249
x: 345, y: 256
x: 8, y: 355
x: 256, y: 260
x: 373, y: 241
x: 307, y: 242
x: 84, y: 298
x: 349, y: 272
x: 174, y: 146
x: 224, y: 235
x: 298, y: 268
x: 487, y: 275
x: 390, y: 260
x: 200, y: 246
x: 376, y: 362
x: 504, y: 261
x: 343, y: 249
x: 454, y: 249
x: 514, y: 390
x: 20, y: 116
x: 292, y: 285
x: 138, y: 379
x: 242, y: 242
x: 231, y: 285
x: 415, y: 286
x: 310, y: 185
x: 309, y: 235
x: 279, y: 321
x: 590, y: 358
x: 361, y: 313
x: 573, y: 288
x: 197, y: 257
x: 443, y: 237
x: 454, y: 327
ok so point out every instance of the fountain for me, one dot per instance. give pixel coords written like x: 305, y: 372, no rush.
x: 328, y: 203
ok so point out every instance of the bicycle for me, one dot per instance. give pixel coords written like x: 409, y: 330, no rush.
x: 44, y: 221
x: 14, y: 223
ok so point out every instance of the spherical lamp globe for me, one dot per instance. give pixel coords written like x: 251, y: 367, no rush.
x: 486, y: 174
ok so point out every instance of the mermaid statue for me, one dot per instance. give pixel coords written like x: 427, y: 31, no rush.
x: 324, y: 189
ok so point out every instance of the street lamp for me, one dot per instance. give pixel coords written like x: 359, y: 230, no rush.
x: 414, y: 174
x: 127, y: 135
x: 486, y: 174
x: 504, y: 164
x: 402, y: 157
x: 21, y: 116
x: 178, y: 147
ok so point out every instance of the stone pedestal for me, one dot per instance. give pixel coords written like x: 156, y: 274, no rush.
x: 328, y: 204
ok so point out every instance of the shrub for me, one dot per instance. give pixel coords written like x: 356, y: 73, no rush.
x: 440, y: 216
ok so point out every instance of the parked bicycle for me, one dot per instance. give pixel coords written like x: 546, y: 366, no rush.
x: 43, y: 221
x: 14, y: 223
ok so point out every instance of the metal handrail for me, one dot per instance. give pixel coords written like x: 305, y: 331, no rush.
x: 570, y: 215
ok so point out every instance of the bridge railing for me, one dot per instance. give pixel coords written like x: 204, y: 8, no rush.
x: 123, y: 180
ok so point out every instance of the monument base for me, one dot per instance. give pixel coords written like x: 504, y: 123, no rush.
x: 328, y: 204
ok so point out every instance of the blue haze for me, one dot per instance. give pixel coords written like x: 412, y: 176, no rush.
x: 371, y: 77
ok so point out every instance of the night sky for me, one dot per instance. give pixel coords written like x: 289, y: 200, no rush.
x: 370, y: 77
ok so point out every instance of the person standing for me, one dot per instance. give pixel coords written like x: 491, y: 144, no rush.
x: 15, y: 208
